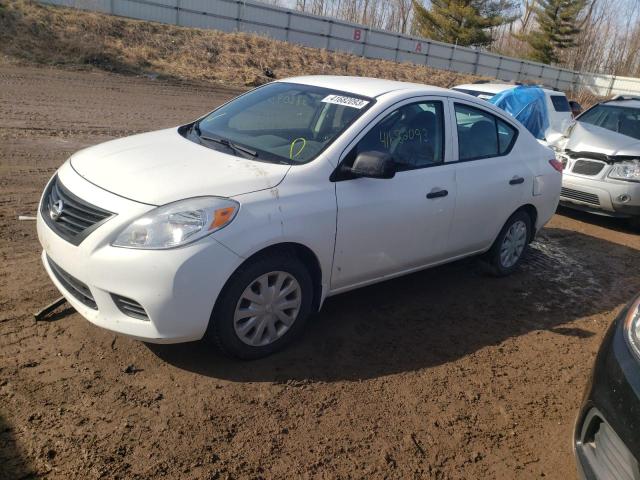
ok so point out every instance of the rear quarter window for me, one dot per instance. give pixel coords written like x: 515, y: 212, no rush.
x: 560, y: 103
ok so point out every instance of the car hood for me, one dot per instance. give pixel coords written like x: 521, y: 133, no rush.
x: 162, y: 167
x: 589, y: 138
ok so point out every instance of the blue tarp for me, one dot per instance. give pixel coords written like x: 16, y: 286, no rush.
x: 527, y: 105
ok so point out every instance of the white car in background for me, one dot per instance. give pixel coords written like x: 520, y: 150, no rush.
x: 237, y: 226
x: 558, y: 107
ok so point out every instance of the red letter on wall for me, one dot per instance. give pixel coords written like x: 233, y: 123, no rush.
x: 418, y: 47
x: 357, y: 34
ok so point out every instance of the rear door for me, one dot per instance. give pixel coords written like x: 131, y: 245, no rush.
x: 491, y: 178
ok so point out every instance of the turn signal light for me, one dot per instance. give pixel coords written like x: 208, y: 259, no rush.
x: 221, y: 217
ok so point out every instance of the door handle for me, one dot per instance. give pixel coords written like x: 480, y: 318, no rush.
x: 437, y: 192
x: 516, y: 180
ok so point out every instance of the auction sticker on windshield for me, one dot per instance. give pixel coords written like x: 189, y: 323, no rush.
x: 346, y: 101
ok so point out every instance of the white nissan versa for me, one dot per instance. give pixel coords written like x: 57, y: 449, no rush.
x: 237, y: 226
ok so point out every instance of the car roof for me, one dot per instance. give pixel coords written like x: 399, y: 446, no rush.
x: 368, y: 87
x: 632, y: 103
x: 501, y: 87
x: 486, y: 87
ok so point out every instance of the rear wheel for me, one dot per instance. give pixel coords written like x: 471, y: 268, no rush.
x: 263, y: 307
x: 506, y: 252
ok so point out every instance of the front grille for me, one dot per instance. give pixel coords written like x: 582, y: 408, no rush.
x: 130, y: 307
x: 604, y: 453
x: 591, y: 198
x: 587, y: 167
x: 74, y: 286
x: 69, y: 216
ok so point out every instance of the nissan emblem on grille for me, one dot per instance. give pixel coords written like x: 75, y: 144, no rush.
x: 56, y: 210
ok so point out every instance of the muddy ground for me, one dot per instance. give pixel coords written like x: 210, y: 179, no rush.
x: 442, y: 374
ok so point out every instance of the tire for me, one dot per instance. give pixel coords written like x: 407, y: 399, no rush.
x: 494, y: 259
x: 250, y: 289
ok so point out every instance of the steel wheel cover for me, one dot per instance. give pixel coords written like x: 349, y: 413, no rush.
x: 513, y: 244
x: 267, y: 308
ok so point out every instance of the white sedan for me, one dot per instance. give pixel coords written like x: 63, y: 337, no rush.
x: 237, y: 226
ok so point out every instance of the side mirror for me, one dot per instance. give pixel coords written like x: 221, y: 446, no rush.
x: 576, y: 108
x: 374, y: 165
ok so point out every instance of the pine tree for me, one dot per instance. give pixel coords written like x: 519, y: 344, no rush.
x: 557, y: 29
x: 462, y: 22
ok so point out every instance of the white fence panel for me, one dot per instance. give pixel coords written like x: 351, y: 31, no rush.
x: 309, y: 25
x: 256, y: 15
x: 197, y: 20
x: 371, y: 51
x: 306, y: 39
x: 103, y: 6
x: 626, y: 85
x: 320, y: 32
x: 382, y: 39
x: 142, y: 11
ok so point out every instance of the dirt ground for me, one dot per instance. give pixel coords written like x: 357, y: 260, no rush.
x: 441, y: 374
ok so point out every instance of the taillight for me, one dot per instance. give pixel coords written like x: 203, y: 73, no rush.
x: 557, y: 165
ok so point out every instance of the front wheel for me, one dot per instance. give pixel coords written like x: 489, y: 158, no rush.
x: 506, y: 252
x: 263, y: 307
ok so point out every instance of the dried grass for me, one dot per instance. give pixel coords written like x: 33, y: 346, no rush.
x: 35, y: 33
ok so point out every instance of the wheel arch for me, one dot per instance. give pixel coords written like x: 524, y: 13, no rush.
x: 532, y: 211
x: 305, y: 255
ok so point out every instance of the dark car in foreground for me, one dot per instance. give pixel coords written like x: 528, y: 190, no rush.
x: 607, y: 432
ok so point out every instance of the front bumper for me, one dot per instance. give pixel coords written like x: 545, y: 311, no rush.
x: 600, y: 196
x: 607, y: 433
x: 177, y: 288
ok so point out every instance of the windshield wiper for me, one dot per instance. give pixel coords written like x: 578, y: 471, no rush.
x: 229, y: 144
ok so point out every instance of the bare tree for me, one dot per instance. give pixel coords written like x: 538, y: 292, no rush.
x: 609, y: 40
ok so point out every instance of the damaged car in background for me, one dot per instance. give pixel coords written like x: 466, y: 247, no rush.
x: 601, y: 157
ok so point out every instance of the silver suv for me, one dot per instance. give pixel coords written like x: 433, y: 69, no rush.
x: 601, y: 157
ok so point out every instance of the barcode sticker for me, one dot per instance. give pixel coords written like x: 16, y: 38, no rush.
x: 346, y: 101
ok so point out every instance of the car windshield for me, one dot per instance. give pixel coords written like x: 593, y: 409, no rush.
x: 280, y: 122
x: 624, y: 120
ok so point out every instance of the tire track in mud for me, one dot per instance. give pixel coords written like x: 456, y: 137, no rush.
x: 551, y: 261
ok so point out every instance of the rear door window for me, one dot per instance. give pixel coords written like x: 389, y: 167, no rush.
x: 560, y: 103
x: 481, y: 134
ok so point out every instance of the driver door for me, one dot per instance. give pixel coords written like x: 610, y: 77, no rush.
x: 387, y: 227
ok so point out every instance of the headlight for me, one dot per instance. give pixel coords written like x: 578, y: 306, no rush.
x: 632, y: 327
x: 627, y: 170
x: 178, y: 223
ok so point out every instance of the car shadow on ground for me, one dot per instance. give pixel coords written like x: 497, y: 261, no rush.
x: 12, y: 462
x: 439, y: 315
x: 618, y: 224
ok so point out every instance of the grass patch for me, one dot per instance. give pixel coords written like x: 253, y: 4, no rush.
x: 35, y: 33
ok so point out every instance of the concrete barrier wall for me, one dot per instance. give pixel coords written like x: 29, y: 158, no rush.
x: 336, y: 35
